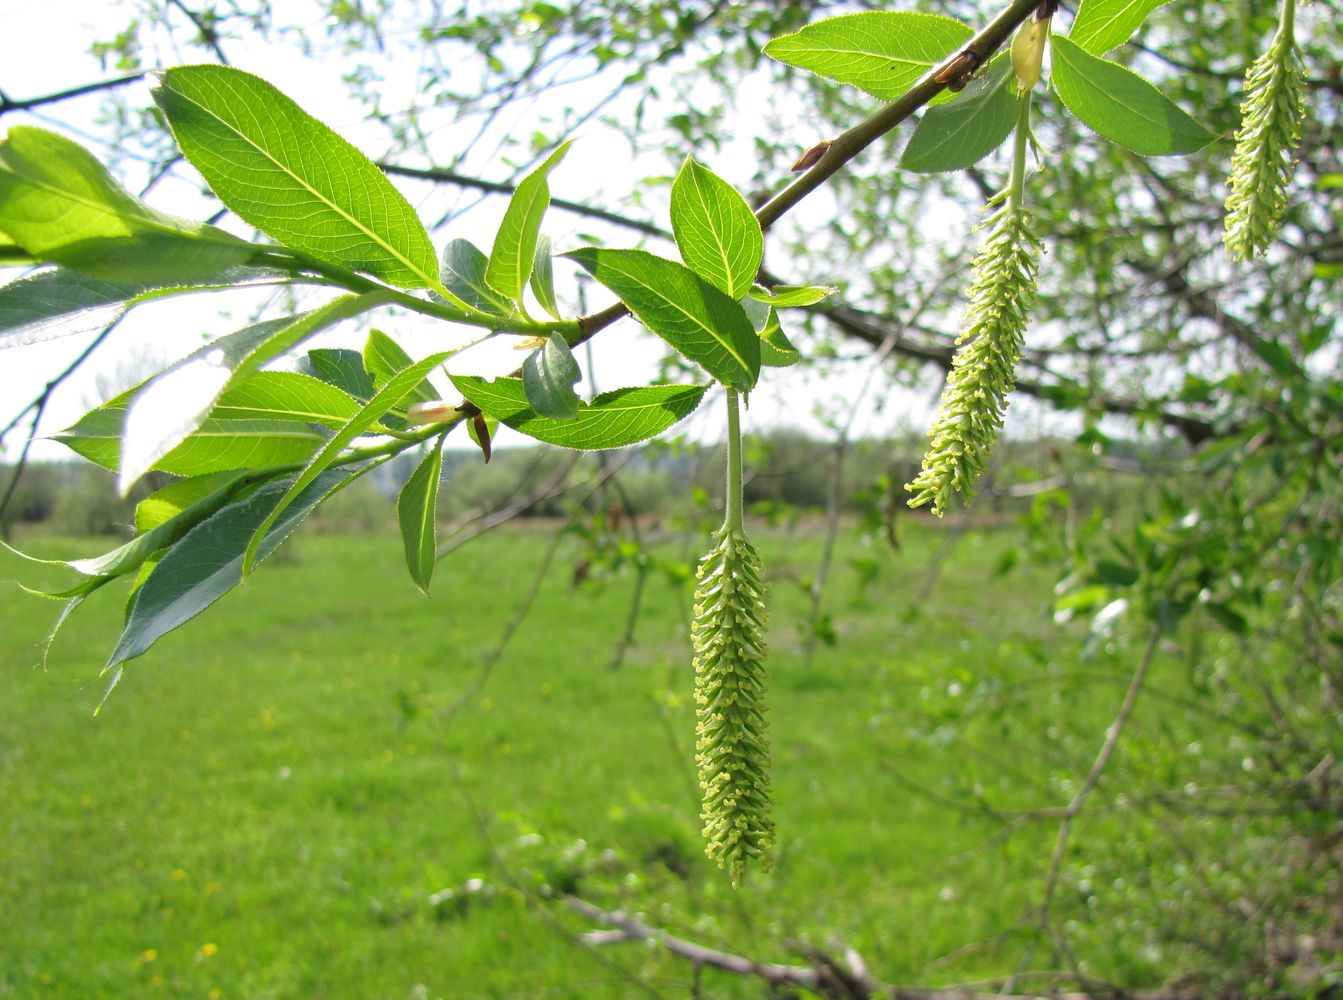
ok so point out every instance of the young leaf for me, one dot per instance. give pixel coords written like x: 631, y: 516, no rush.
x: 1101, y: 25
x: 176, y: 402
x: 776, y: 351
x: 388, y: 397
x: 514, y: 249
x: 61, y: 205
x: 783, y: 296
x: 959, y: 134
x: 612, y: 420
x: 287, y: 174
x: 207, y: 562
x: 881, y: 52
x: 682, y: 308
x: 1119, y: 105
x: 463, y: 274
x: 543, y: 278
x: 416, y: 511
x: 548, y: 377
x: 384, y: 357
x: 717, y: 233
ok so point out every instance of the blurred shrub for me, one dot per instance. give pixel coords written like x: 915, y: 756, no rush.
x: 88, y: 504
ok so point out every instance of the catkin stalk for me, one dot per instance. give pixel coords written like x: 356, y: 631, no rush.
x: 732, y: 737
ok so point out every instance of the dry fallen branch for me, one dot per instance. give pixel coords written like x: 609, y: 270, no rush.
x: 827, y: 975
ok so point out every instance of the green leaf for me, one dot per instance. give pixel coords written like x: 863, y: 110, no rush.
x: 463, y: 274
x: 548, y: 377
x: 543, y: 278
x: 384, y: 358
x: 514, y: 250
x: 776, y: 350
x: 1101, y: 25
x: 1119, y: 105
x: 691, y: 315
x: 717, y: 233
x: 166, y: 503
x: 881, y: 52
x: 62, y: 302
x: 612, y: 420
x: 959, y: 134
x: 208, y: 493
x: 61, y: 205
x: 285, y: 396
x: 389, y: 396
x: 417, y: 513
x: 287, y: 174
x: 175, y: 403
x: 13, y: 255
x: 783, y: 296
x: 342, y: 368
x: 1277, y: 356
x: 207, y: 562
x: 219, y: 445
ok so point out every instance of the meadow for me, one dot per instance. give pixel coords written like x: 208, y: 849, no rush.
x: 330, y: 786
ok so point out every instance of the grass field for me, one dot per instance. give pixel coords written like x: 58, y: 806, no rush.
x: 278, y: 801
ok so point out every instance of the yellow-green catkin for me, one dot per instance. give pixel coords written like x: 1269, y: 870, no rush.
x: 983, y: 371
x: 732, y: 735
x: 1270, y: 128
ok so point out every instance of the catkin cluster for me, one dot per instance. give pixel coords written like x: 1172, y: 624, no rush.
x: 1261, y: 166
x: 983, y: 371
x: 732, y: 739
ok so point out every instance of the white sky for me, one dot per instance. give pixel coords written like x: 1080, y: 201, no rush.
x: 44, y: 47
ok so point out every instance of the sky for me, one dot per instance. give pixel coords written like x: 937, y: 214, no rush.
x: 46, y: 47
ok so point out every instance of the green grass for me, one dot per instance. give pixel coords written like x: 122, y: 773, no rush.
x: 272, y: 795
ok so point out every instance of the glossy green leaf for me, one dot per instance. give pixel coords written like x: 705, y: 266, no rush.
x: 97, y: 434
x: 784, y: 296
x: 959, y: 134
x: 1101, y: 25
x: 514, y: 250
x: 61, y: 205
x: 285, y: 396
x: 209, y: 494
x: 1119, y: 105
x: 463, y: 274
x: 342, y: 368
x: 417, y: 514
x: 881, y: 52
x: 207, y: 562
x: 691, y: 315
x: 548, y: 377
x: 612, y: 420
x: 63, y: 302
x: 384, y: 358
x: 543, y: 277
x: 386, y: 398
x: 175, y: 403
x: 292, y: 177
x: 717, y: 233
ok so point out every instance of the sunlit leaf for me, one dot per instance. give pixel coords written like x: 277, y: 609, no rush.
x: 417, y: 514
x: 717, y: 233
x: 287, y: 174
x: 514, y: 250
x: 548, y: 377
